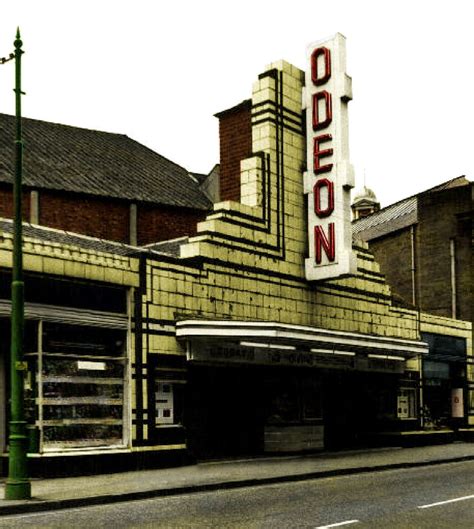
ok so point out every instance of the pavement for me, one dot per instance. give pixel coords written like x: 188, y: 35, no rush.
x: 63, y: 493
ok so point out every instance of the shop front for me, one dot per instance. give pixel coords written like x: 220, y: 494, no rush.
x: 262, y: 387
x: 77, y: 356
x: 444, y: 381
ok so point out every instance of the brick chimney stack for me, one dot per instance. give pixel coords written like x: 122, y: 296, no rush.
x: 235, y: 138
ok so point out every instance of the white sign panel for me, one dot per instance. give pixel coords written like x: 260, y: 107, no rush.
x: 330, y: 176
x: 457, y: 403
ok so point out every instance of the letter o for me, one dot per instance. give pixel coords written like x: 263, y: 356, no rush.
x: 323, y: 212
x: 326, y: 53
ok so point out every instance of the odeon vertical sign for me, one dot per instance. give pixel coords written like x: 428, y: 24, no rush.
x: 329, y: 176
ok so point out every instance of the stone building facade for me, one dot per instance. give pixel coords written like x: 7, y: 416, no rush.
x: 434, y: 226
x: 424, y: 247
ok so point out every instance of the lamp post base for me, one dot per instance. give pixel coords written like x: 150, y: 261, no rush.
x: 17, y: 485
x: 18, y: 490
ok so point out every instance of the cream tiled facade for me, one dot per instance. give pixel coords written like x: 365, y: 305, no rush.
x: 247, y: 261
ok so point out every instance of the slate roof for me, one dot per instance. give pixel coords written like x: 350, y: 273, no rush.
x: 387, y: 220
x: 397, y: 216
x: 171, y: 247
x: 65, y: 158
x: 53, y: 235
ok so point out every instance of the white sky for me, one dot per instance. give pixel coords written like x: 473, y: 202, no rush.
x: 159, y: 70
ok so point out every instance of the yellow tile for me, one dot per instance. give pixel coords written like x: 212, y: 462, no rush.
x: 32, y: 263
x: 53, y: 266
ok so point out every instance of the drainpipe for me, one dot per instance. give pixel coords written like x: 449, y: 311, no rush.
x: 414, y: 301
x: 34, y: 207
x: 413, y: 266
x: 452, y: 254
x: 133, y: 224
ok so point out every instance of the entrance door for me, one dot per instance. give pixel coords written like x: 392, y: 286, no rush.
x: 352, y: 406
x: 223, y: 416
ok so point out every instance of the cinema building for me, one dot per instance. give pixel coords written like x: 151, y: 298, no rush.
x: 263, y: 330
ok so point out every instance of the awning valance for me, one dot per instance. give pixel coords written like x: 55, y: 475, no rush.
x: 284, y: 336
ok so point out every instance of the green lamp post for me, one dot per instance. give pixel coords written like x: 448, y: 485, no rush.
x: 18, y: 486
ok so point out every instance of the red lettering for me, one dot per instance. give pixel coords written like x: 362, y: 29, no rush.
x: 322, y: 242
x: 326, y: 53
x: 327, y: 98
x: 320, y: 212
x: 319, y: 153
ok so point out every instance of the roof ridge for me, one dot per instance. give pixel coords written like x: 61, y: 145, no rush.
x: 77, y: 235
x: 75, y: 159
x: 158, y: 154
x: 443, y: 184
x: 57, y: 124
x: 406, y: 199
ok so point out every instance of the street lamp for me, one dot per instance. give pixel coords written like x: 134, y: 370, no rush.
x: 18, y: 486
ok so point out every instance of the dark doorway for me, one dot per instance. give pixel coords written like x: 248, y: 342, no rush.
x: 355, y: 405
x: 223, y: 416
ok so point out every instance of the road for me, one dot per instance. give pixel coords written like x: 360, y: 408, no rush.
x: 434, y: 497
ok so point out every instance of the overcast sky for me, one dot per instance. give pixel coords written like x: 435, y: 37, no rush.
x: 159, y: 70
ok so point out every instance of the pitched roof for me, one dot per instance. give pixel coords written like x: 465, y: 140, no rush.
x: 397, y: 216
x: 171, y: 247
x: 61, y: 157
x: 387, y: 220
x: 61, y: 237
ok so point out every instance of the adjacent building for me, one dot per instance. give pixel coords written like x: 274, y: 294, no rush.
x: 425, y: 250
x: 100, y: 184
x: 430, y: 234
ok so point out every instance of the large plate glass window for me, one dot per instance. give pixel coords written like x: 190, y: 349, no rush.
x: 81, y: 373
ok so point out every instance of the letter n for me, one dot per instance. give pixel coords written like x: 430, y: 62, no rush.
x: 322, y: 242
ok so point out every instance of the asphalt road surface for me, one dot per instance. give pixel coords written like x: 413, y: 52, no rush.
x: 433, y: 497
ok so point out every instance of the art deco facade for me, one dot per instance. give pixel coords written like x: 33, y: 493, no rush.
x: 214, y: 344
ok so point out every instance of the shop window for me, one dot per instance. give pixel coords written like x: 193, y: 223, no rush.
x: 63, y: 292
x: 435, y: 370
x: 293, y: 401
x: 443, y: 347
x: 284, y: 407
x: 406, y: 403
x: 79, y: 373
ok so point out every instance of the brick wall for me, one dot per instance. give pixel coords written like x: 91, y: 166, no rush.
x: 103, y: 217
x: 6, y: 202
x: 156, y: 225
x: 235, y: 137
x: 94, y: 216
